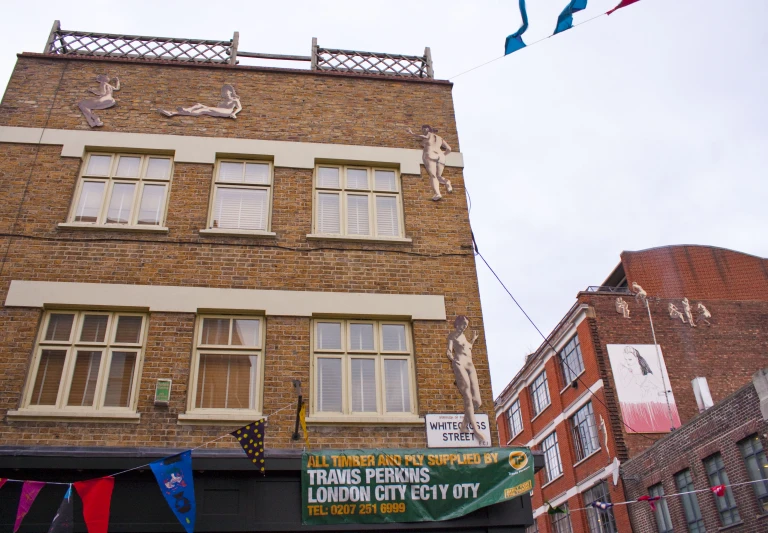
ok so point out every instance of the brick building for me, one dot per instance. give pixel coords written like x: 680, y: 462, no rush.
x: 568, y: 401
x: 723, y: 445
x: 298, y: 241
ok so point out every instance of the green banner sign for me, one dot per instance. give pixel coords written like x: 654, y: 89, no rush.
x: 407, y: 485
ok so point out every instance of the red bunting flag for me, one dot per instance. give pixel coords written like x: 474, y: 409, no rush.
x: 624, y: 3
x: 651, y: 500
x: 29, y: 492
x: 97, y: 496
x: 718, y: 489
x: 2, y: 481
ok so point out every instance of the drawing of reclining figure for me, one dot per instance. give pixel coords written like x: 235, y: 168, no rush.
x: 229, y: 107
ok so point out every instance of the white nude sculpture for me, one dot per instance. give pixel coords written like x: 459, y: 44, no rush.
x: 688, y: 312
x: 460, y: 355
x: 640, y: 294
x: 704, y: 314
x: 229, y: 107
x: 105, y: 100
x: 435, y: 151
x: 622, y: 307
x: 674, y: 312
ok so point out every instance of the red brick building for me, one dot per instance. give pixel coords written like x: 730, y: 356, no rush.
x: 287, y: 233
x: 566, y: 402
x: 725, y: 444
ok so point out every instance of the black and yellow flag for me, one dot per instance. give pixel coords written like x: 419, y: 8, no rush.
x: 251, y: 438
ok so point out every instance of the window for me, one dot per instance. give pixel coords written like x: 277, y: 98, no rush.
x: 87, y: 361
x: 693, y: 516
x: 571, y: 362
x: 726, y: 505
x: 553, y: 467
x: 122, y: 190
x: 539, y: 393
x: 362, y: 368
x: 561, y: 523
x: 600, y: 521
x: 663, y: 520
x: 515, y: 419
x: 357, y: 201
x: 241, y: 196
x: 757, y: 466
x: 585, y: 432
x: 227, y: 366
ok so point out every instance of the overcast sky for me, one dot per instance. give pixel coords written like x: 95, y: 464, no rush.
x: 642, y: 129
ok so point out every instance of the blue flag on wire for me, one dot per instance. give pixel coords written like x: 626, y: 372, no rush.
x: 514, y: 41
x: 565, y: 19
x: 174, y: 475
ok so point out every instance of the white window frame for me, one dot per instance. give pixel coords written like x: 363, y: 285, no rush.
x: 511, y: 412
x: 110, y: 180
x: 217, y: 184
x: 346, y: 354
x: 71, y: 346
x: 538, y: 390
x: 228, y: 413
x: 371, y: 192
x: 552, y: 469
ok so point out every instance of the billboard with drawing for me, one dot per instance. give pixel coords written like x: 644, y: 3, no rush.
x: 641, y: 381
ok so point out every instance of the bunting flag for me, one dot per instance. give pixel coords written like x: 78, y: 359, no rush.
x: 251, y: 438
x: 624, y: 3
x: 2, y: 481
x: 565, y: 19
x: 174, y: 475
x: 29, y: 492
x: 554, y: 510
x: 718, y: 489
x: 514, y: 41
x: 601, y: 505
x: 62, y: 522
x: 97, y: 496
x: 303, y: 415
x: 651, y: 500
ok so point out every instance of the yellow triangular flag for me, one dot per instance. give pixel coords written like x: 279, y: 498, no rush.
x: 303, y: 421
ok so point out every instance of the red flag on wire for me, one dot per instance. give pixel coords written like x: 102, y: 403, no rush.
x: 651, y: 500
x: 96, y: 495
x: 718, y: 489
x: 624, y: 3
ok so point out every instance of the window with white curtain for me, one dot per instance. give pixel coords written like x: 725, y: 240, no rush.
x: 362, y: 368
x: 227, y: 365
x: 117, y: 190
x: 357, y: 201
x: 86, y: 361
x: 241, y: 196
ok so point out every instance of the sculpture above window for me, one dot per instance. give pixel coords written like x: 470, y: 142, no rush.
x: 229, y: 107
x: 105, y: 100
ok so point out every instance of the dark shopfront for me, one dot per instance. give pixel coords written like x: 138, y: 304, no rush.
x: 230, y: 494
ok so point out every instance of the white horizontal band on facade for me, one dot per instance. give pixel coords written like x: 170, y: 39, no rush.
x: 193, y: 149
x: 588, y: 483
x: 174, y: 299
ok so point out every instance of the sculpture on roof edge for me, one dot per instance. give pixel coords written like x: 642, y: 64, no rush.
x: 674, y: 312
x: 435, y: 152
x: 459, y: 353
x: 640, y: 294
x: 622, y: 307
x: 688, y: 312
x: 704, y: 314
x: 105, y: 100
x: 229, y: 107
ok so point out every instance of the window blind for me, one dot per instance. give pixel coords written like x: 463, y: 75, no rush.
x: 329, y: 384
x: 240, y: 209
x: 128, y: 167
x: 387, y: 223
x: 94, y: 328
x: 98, y: 165
x: 328, y: 213
x: 226, y: 381
x: 393, y: 338
x: 363, y: 385
x: 128, y: 329
x: 329, y: 336
x: 397, y: 384
x: 384, y: 180
x: 121, y: 203
x: 59, y: 327
x: 120, y: 379
x: 158, y: 168
x: 361, y: 337
x: 328, y: 177
x: 152, y: 204
x: 84, y: 378
x: 89, y: 204
x: 357, y: 178
x: 49, y: 372
x: 357, y: 215
x: 245, y: 332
